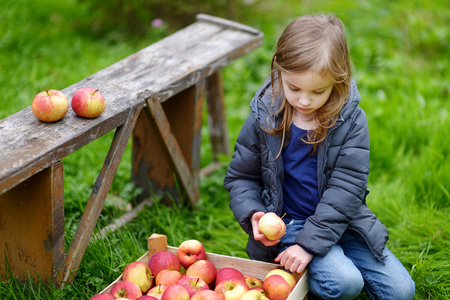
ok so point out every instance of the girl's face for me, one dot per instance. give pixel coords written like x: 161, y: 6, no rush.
x: 306, y: 92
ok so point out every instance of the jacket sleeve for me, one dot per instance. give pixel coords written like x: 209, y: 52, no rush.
x: 346, y: 185
x: 243, y: 178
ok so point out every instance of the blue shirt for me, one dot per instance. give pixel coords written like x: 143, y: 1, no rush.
x: 300, y: 189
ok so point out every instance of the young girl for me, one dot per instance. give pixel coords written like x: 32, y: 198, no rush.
x: 304, y: 152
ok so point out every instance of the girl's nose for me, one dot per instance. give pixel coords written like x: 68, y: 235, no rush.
x: 303, y: 100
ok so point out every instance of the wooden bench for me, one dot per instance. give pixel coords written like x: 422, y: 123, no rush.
x: 154, y: 96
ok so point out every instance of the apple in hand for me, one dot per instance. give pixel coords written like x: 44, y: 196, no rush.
x: 254, y: 295
x: 276, y: 287
x: 126, y: 289
x: 272, y: 226
x: 157, y: 291
x: 175, y: 292
x: 140, y: 274
x: 190, y: 251
x: 231, y: 289
x: 103, y: 296
x: 50, y: 105
x: 88, y: 102
x: 286, y: 275
x: 252, y: 281
x: 206, y: 295
x: 168, y: 277
x: 228, y: 273
x: 163, y: 260
x: 203, y: 269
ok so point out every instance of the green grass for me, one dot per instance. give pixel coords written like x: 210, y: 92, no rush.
x: 399, y: 50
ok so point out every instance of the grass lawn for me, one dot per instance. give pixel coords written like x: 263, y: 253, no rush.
x: 399, y: 51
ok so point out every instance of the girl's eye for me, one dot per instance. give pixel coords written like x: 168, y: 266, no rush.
x: 294, y: 89
x: 318, y: 93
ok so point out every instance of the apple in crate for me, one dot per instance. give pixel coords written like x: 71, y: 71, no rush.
x: 230, y: 289
x: 228, y: 273
x: 193, y: 284
x: 157, y: 291
x: 145, y: 297
x: 175, y: 292
x: 163, y: 260
x: 252, y: 281
x: 254, y: 295
x: 140, y: 274
x: 276, y: 287
x: 203, y: 269
x: 272, y: 226
x: 50, y: 105
x: 168, y: 277
x: 126, y: 289
x: 103, y: 296
x: 206, y: 295
x: 88, y: 102
x: 286, y: 275
x: 190, y: 251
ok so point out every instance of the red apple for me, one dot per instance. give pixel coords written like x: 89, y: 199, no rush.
x: 231, y: 289
x: 286, y: 275
x: 276, y: 287
x: 168, y: 277
x: 88, y: 102
x: 272, y: 226
x: 163, y: 260
x: 193, y: 284
x: 175, y: 292
x: 203, y: 269
x: 252, y: 281
x: 228, y: 273
x: 126, y: 289
x: 50, y: 105
x: 157, y: 291
x: 260, y: 289
x: 206, y: 295
x: 102, y: 297
x: 254, y: 295
x: 145, y: 297
x: 140, y: 274
x: 190, y: 251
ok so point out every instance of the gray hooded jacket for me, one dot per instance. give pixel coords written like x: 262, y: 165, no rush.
x: 254, y: 179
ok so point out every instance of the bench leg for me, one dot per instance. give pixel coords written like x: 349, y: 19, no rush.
x: 32, y: 227
x: 166, y: 141
x: 98, y: 196
x: 217, y: 122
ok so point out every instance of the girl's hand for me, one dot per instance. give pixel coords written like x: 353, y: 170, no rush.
x: 294, y: 258
x: 257, y: 234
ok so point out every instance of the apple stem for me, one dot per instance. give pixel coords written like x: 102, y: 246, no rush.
x: 283, y: 215
x: 197, y: 281
x: 48, y: 92
x: 94, y: 92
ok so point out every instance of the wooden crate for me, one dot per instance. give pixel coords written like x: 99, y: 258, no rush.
x: 258, y: 269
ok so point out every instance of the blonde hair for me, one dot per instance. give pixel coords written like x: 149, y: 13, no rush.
x: 314, y: 42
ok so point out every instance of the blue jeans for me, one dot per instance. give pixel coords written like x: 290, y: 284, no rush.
x: 350, y: 267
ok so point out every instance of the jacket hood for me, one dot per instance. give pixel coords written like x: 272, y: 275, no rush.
x: 264, y: 110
